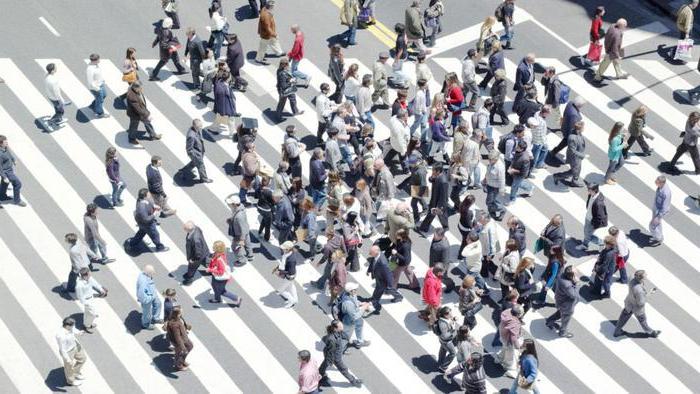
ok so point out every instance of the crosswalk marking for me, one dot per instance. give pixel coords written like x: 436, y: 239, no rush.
x: 16, y: 364
x: 18, y: 281
x: 637, y: 35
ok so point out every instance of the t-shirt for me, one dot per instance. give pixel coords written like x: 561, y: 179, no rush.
x: 401, y: 46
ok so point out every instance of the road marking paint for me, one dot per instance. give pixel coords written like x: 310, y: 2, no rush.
x: 48, y: 26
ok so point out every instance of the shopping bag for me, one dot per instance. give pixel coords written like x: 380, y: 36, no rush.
x: 594, y: 51
x: 539, y: 245
x: 684, y: 50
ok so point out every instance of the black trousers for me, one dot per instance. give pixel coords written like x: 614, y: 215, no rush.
x: 498, y: 110
x: 442, y: 217
x: 196, y: 66
x: 294, y: 167
x: 283, y: 101
x: 199, y: 165
x: 176, y: 60
x: 133, y: 131
x: 562, y: 144
x: 693, y: 150
x: 639, y: 139
x: 414, y: 206
x: 338, y: 362
x: 379, y: 291
x: 265, y: 224
x: 192, y: 269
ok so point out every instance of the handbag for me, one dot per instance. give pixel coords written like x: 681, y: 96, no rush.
x: 594, y: 51
x: 539, y: 245
x: 619, y: 261
x: 524, y: 384
x: 130, y: 77
x: 226, y: 275
x: 684, y: 50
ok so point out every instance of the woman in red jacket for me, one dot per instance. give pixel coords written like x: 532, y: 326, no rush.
x: 455, y: 99
x: 432, y: 293
x: 597, y: 32
x: 220, y: 275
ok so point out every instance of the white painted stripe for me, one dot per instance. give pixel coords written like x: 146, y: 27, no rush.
x: 18, y: 281
x: 636, y: 35
x: 317, y: 76
x: 672, y: 237
x: 48, y: 26
x: 210, y: 373
x: 15, y: 362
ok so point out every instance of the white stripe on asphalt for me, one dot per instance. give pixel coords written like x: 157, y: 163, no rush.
x: 636, y: 35
x: 49, y: 27
x: 13, y: 360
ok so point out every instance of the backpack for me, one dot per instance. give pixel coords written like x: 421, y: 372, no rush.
x: 502, y: 142
x: 565, y: 92
x: 337, y: 308
x: 499, y: 12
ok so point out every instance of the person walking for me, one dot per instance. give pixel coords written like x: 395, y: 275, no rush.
x: 114, y: 176
x: 8, y: 165
x: 194, y: 146
x: 383, y: 279
x: 565, y: 299
x: 438, y: 205
x: 155, y: 187
x: 380, y: 80
x: 86, y: 289
x: 413, y: 19
x: 469, y: 85
x: 401, y: 255
x: 529, y: 365
x: 486, y: 36
x: 334, y: 344
x: 145, y: 216
x: 661, y: 208
x: 524, y: 79
x: 348, y: 17
x: 221, y: 275
x: 287, y: 270
x: 524, y: 282
x: 572, y: 115
x: 432, y: 293
x: 689, y: 144
x: 550, y: 275
x: 196, y: 250
x: 296, y: 54
x: 506, y: 18
x: 509, y: 331
x: 635, y: 303
x: 435, y: 10
x: 93, y: 238
x: 147, y: 296
x: 446, y: 330
x: 596, y: 216
x: 80, y: 257
x: 336, y: 71
x: 684, y: 20
x: 498, y: 95
x: 137, y: 111
x: 178, y: 334
x: 596, y: 33
x: 553, y: 235
x: 268, y: 34
x: 353, y: 314
x: 616, y: 147
x: 293, y: 148
x: 286, y: 89
x: 71, y: 351
x: 224, y: 103
x: 168, y: 45
x: 308, y: 372
x: 130, y: 70
x: 439, y: 248
x: 474, y: 380
x: 96, y: 84
x: 520, y: 169
x: 52, y: 87
x: 604, y: 269
x: 623, y: 252
x: 553, y: 93
x: 575, y: 153
x: 470, y: 301
x: 239, y: 231
x: 638, y: 133
x: 283, y: 216
x: 235, y: 59
x: 195, y: 53
x: 495, y: 184
x: 538, y: 127
x: 218, y: 28
x: 613, y: 51
x: 496, y: 62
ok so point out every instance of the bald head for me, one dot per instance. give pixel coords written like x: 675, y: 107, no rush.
x: 374, y: 251
x: 530, y: 58
x: 621, y: 23
x: 188, y: 226
x: 149, y: 270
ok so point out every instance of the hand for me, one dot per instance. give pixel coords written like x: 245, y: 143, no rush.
x: 655, y: 221
x: 5, y: 180
x: 156, y: 207
x: 393, y: 251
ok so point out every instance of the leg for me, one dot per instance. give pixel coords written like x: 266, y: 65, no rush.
x: 293, y: 103
x: 149, y: 129
x: 72, y: 279
x: 280, y: 105
x: 682, y: 148
x: 642, y: 318
x: 154, y: 235
x: 344, y: 371
x: 565, y: 319
x: 16, y: 186
x: 618, y: 69
x: 602, y: 67
x: 695, y: 155
x: 622, y: 320
x: 156, y: 70
x: 262, y: 48
x: 146, y: 314
x: 133, y: 131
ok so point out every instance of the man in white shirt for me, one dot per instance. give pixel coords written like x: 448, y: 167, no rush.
x: 364, y: 100
x: 324, y: 111
x: 96, y: 84
x: 53, y: 93
x: 71, y: 352
x: 399, y: 137
x: 86, y: 290
x: 420, y: 111
x: 344, y: 131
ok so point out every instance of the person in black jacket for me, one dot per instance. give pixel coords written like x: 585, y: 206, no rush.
x: 265, y: 206
x: 401, y: 252
x: 516, y: 231
x: 335, y: 341
x: 384, y: 280
x: 528, y: 106
x: 554, y: 234
x: 197, y: 251
x: 604, y: 269
x: 144, y: 214
x: 196, y: 53
x: 438, y: 200
x: 287, y: 270
x: 524, y: 282
x: 596, y: 215
x: 498, y: 96
x: 286, y: 88
x: 167, y: 46
x: 155, y: 186
x: 235, y: 59
x: 439, y: 248
x: 467, y: 221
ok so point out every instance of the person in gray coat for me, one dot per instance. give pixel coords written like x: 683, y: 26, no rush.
x: 690, y: 142
x: 80, y: 257
x: 634, y: 305
x: 575, y: 153
x: 565, y: 299
x: 197, y: 251
x: 284, y: 216
x: 194, y: 145
x: 439, y: 248
x: 239, y: 230
x: 92, y: 234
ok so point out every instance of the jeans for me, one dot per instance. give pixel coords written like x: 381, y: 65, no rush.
x: 613, y: 167
x: 367, y: 118
x: 357, y: 325
x: 218, y: 38
x: 422, y: 122
x: 117, y: 189
x: 72, y: 279
x: 514, y: 387
x: 97, y: 103
x: 219, y: 287
x: 151, y: 230
x: 508, y: 34
x: 98, y: 248
x: 350, y: 35
x: 495, y: 207
x: 16, y: 186
x: 58, y: 111
x: 298, y: 74
x: 318, y: 196
x: 518, y: 183
x: 539, y: 153
x: 588, y: 235
x: 150, y: 311
x: 446, y: 354
x: 475, y: 175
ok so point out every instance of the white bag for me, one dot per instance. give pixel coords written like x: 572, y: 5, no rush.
x: 684, y: 50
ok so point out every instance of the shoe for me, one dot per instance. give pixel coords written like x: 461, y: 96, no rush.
x: 151, y: 327
x: 206, y: 180
x: 264, y: 62
x: 5, y: 198
x: 238, y: 304
x: 511, y: 374
x: 133, y: 141
x: 298, y: 113
x: 624, y: 76
x: 566, y: 334
x: 103, y: 116
x: 213, y: 301
x: 108, y: 260
x: 21, y: 204
x: 364, y: 343
x: 617, y: 334
x: 610, y: 182
x: 576, y: 184
x: 550, y: 325
x: 75, y: 383
x: 654, y: 243
x: 397, y: 299
x: 182, y: 368
x: 79, y: 377
x: 357, y: 383
x: 187, y: 282
x: 89, y: 330
x: 157, y: 137
x: 157, y: 321
x: 236, y: 114
x: 655, y: 333
x: 162, y: 249
x: 289, y: 305
x: 153, y: 78
x: 324, y: 382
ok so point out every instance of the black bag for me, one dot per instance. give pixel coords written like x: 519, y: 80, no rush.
x: 502, y: 142
x: 498, y: 13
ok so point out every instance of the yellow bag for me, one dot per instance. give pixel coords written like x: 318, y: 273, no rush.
x: 130, y: 77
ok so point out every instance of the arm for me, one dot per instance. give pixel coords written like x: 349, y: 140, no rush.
x: 553, y: 276
x: 573, y: 145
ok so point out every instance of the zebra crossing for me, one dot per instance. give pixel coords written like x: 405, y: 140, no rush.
x: 253, y: 349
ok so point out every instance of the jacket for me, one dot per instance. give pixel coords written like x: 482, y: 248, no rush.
x: 662, y: 201
x: 381, y: 273
x: 397, y: 221
x: 496, y: 175
x: 440, y: 191
x: 238, y: 224
x: 194, y: 144
x: 145, y: 289
x: 692, y: 132
x: 528, y: 368
x: 165, y: 39
x: 155, y: 180
x: 177, y: 334
x: 605, y: 264
x: 565, y: 295
x: 136, y: 105
x: 144, y: 212
x: 234, y: 57
x: 290, y: 263
x: 403, y: 253
x: 399, y: 136
x: 596, y: 28
x: 384, y: 185
x: 284, y: 214
x: 7, y: 161
x: 498, y: 91
x: 553, y: 236
x: 439, y: 252
x: 224, y: 100
x: 266, y: 25
x: 195, y: 49
x: 615, y: 148
x: 497, y: 61
x: 489, y: 239
x: 348, y: 12
x: 613, y: 43
x: 599, y: 213
x: 217, y: 264
x: 571, y: 115
x: 575, y: 149
x: 636, y: 297
x: 552, y: 90
x: 196, y: 246
x: 414, y: 23
x: 527, y: 108
x: 336, y: 69
x: 334, y: 345
x: 508, y: 265
x: 380, y: 75
x: 318, y: 172
x: 297, y: 51
x: 519, y: 234
x: 351, y: 309
x: 432, y: 289
x: 509, y: 328
x: 523, y: 76
x: 92, y: 230
x: 684, y: 21
x: 80, y: 256
x: 447, y: 329
x: 637, y: 126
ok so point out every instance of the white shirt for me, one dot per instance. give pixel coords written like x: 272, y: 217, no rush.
x: 420, y: 104
x: 423, y: 72
x: 589, y: 208
x: 622, y: 248
x: 324, y: 109
x: 468, y: 70
x: 364, y: 100
x: 217, y: 21
x: 94, y: 77
x: 85, y: 290
x: 400, y: 135
x: 352, y: 85
x: 66, y: 342
x: 53, y: 88
x: 527, y: 137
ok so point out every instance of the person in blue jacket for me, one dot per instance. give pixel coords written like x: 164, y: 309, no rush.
x: 529, y: 364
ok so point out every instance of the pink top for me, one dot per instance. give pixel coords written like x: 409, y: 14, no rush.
x: 308, y: 376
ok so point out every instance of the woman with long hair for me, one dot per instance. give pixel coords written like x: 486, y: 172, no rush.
x: 401, y: 253
x: 220, y: 275
x: 351, y: 84
x: 555, y: 265
x: 115, y: 178
x: 130, y: 69
x: 486, y: 36
x: 690, y: 142
x: 353, y: 240
x: 508, y: 265
x: 467, y: 220
x: 596, y: 34
x: 338, y: 274
x: 527, y: 376
x: 524, y: 282
x: 615, y: 157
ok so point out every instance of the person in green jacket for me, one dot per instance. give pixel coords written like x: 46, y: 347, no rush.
x: 615, y: 147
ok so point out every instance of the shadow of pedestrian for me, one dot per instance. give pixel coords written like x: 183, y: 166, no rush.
x: 244, y: 12
x: 165, y: 363
x: 56, y: 380
x: 102, y: 202
x: 132, y: 322
x: 273, y: 300
x: 426, y: 363
x: 159, y: 343
x: 638, y: 237
x: 60, y: 290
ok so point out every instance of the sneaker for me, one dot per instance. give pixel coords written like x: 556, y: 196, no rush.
x: 150, y: 327
x: 610, y: 182
x: 511, y: 374
x: 133, y: 141
x: 655, y: 333
x: 618, y: 333
x: 565, y: 334
x: 79, y: 377
x: 357, y: 383
x: 21, y: 204
x: 103, y: 116
x: 263, y: 62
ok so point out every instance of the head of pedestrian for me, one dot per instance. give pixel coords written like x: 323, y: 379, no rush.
x: 374, y: 251
x: 569, y: 272
x: 190, y: 32
x: 593, y: 189
x: 599, y: 11
x: 383, y: 56
x: 142, y: 194
x: 197, y: 124
x: 545, y: 110
x: 167, y: 23
x: 219, y: 247
x: 530, y: 58
x: 438, y: 270
x: 233, y: 201
x: 519, y: 131
x: 325, y: 88
x: 290, y: 129
x: 610, y: 241
x: 136, y: 87
x: 471, y: 53
x: 517, y: 311
x: 468, y: 282
x: 521, y: 146
x: 188, y: 226
x: 335, y: 326
x: 693, y: 4
x: 84, y: 273
x: 304, y: 356
x: 528, y: 348
x: 169, y: 293
x: 621, y: 23
x: 149, y: 270
x: 444, y: 312
x: 91, y: 209
x: 439, y: 233
x: 51, y: 68
x: 660, y: 181
x: 494, y: 156
x: 500, y: 74
x: 156, y: 161
x: 294, y: 28
x: 284, y: 63
x: 287, y: 246
x: 94, y: 58
x: 399, y: 29
x: 640, y: 275
x: 71, y: 238
x: 68, y: 323
x: 351, y: 288
x: 579, y: 102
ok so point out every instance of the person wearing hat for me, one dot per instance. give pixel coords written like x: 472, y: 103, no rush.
x: 438, y: 200
x: 86, y: 289
x: 469, y: 84
x: 197, y: 251
x: 287, y: 270
x: 284, y: 216
x: 634, y: 305
x: 353, y: 314
x: 292, y: 149
x: 380, y: 78
x: 519, y: 170
x: 168, y: 45
x: 419, y: 186
x: 596, y: 216
x: 509, y: 332
x: 239, y: 230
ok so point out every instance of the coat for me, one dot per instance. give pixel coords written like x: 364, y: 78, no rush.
x: 571, y: 115
x: 397, y: 221
x: 238, y: 227
x: 552, y: 90
x: 284, y: 214
x: 234, y: 57
x: 195, y: 49
x: 285, y: 87
x: 165, y: 39
x: 613, y: 43
x: 575, y: 149
x: 136, y: 105
x: 440, y: 191
x: 684, y: 21
x: 154, y: 180
x: 553, y: 236
x: 497, y: 61
x: 414, y: 23
x: 523, y: 76
x: 636, y: 298
x: 509, y: 327
x: 637, y: 125
x: 399, y: 135
x: 599, y: 211
x: 615, y: 148
x: 223, y: 99
x: 381, y: 273
x: 498, y: 91
x: 348, y: 12
x: 177, y: 334
x: 266, y: 25
x: 605, y: 264
x: 565, y: 296
x: 432, y: 289
x: 194, y: 145
x: 439, y: 252
x: 196, y: 246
